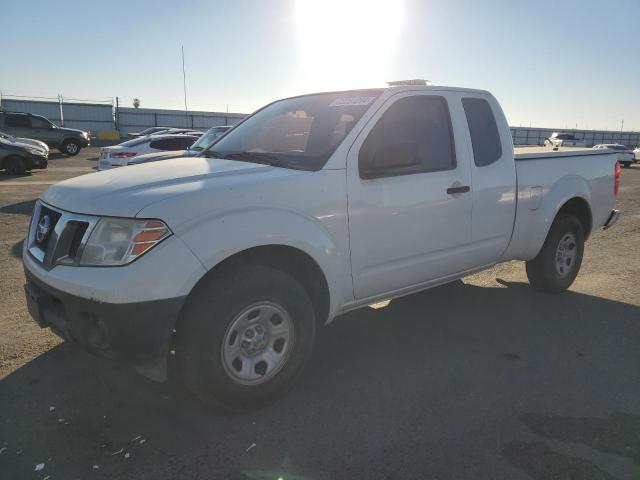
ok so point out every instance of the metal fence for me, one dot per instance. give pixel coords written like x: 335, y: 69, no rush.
x: 99, y: 116
x: 91, y: 117
x: 105, y: 115
x: 537, y: 136
x: 136, y: 119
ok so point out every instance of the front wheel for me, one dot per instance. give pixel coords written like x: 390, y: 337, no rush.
x: 556, y: 266
x: 245, y: 337
x: 15, y: 166
x: 70, y: 147
x: 626, y: 164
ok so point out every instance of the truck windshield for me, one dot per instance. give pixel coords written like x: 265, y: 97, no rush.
x: 299, y: 133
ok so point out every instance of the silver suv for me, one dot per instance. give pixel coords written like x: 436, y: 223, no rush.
x: 68, y: 140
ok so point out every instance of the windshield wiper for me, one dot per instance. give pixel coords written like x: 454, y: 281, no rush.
x: 254, y: 157
x: 264, y: 158
x: 257, y: 157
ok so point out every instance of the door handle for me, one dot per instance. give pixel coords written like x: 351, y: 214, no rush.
x: 461, y: 189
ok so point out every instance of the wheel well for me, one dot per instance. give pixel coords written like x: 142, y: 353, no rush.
x: 291, y: 260
x: 579, y: 208
x: 7, y: 158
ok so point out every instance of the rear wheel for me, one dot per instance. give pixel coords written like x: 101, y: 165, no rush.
x: 626, y: 164
x: 70, y: 147
x: 15, y: 166
x: 245, y: 337
x: 556, y: 266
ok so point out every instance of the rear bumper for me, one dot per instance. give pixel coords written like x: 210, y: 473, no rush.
x: 613, y: 218
x: 137, y: 333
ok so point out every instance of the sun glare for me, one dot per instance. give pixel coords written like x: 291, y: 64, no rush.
x: 347, y: 43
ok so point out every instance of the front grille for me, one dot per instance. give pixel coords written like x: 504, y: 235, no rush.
x: 47, y: 221
x: 57, y: 237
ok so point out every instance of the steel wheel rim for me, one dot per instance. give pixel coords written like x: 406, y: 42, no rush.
x: 257, y: 343
x: 566, y: 254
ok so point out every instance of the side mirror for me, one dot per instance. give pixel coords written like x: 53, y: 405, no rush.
x: 388, y: 160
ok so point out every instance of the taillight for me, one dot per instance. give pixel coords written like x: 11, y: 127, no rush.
x: 616, y: 179
x: 123, y: 154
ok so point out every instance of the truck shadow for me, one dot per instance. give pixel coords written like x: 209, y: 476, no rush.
x: 456, y: 378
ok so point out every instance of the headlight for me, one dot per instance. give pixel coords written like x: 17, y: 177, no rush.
x: 118, y: 241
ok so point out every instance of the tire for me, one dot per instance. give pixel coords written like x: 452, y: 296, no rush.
x: 215, y: 326
x: 626, y: 164
x: 556, y: 266
x: 70, y: 147
x: 15, y: 166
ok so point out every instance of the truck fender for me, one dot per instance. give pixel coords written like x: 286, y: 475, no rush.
x: 535, y: 215
x: 214, y: 239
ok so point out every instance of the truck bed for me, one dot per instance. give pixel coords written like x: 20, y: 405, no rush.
x: 534, y: 153
x: 544, y: 185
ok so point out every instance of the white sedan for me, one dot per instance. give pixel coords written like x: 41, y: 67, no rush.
x: 121, y: 155
x: 27, y: 141
x: 636, y: 154
x: 625, y: 156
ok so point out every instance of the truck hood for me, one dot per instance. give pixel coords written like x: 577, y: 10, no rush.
x: 70, y: 130
x: 125, y: 191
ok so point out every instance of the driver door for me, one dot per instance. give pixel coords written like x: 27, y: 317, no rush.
x: 410, y: 225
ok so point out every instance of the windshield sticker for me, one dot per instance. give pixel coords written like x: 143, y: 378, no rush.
x: 351, y: 101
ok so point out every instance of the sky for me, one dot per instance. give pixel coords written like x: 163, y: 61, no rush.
x: 560, y: 63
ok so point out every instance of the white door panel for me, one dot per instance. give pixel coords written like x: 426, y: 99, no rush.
x: 406, y: 229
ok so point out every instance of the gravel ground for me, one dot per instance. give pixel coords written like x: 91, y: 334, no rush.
x: 483, y: 378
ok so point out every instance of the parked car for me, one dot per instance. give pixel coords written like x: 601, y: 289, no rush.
x: 311, y: 207
x: 625, y: 156
x: 120, y: 155
x: 148, y: 131
x: 18, y: 158
x: 27, y: 141
x: 636, y: 154
x: 204, y: 142
x: 67, y: 140
x: 558, y: 139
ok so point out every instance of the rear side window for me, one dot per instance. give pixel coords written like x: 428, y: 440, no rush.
x: 181, y: 143
x: 483, y: 129
x: 164, y: 144
x: 184, y: 143
x: 18, y: 121
x: 420, y: 121
x: 39, y: 122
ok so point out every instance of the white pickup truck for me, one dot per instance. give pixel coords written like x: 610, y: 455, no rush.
x: 226, y: 265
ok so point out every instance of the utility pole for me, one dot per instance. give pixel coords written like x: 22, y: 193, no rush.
x: 117, y: 114
x: 60, y: 108
x: 184, y: 85
x: 622, y: 126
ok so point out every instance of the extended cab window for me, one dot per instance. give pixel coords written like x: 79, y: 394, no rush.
x: 414, y: 135
x: 485, y: 138
x: 18, y: 121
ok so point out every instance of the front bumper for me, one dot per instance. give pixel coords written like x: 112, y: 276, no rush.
x: 38, y: 161
x: 137, y: 333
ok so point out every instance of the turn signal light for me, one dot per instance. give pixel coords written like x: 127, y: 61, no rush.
x: 152, y: 232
